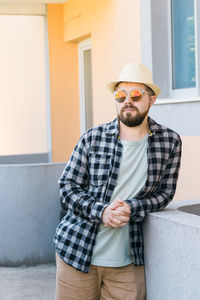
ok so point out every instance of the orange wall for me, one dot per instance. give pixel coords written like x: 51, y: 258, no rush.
x: 64, y: 94
x: 113, y: 46
x: 114, y: 27
x: 188, y: 187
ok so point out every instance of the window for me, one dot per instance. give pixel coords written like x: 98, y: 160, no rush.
x: 183, y: 44
x: 170, y: 46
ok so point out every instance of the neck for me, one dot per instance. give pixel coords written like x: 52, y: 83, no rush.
x: 133, y: 133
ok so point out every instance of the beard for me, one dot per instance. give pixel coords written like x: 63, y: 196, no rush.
x: 132, y: 121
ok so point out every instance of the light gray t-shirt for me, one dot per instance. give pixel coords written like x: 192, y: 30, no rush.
x: 112, y: 245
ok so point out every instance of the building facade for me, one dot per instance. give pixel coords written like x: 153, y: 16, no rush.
x: 58, y: 57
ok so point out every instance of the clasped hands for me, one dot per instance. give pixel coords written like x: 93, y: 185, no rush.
x: 117, y: 214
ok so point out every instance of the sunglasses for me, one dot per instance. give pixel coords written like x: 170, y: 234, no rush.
x: 135, y: 94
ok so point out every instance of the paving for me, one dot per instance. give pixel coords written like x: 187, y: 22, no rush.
x: 28, y: 283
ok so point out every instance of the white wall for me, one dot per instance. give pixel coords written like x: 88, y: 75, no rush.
x: 23, y: 109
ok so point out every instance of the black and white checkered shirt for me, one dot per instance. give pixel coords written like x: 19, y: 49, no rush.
x: 89, y: 179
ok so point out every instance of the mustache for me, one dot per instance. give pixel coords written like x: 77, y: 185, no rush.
x: 129, y: 106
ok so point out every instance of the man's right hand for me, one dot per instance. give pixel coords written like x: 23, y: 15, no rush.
x: 117, y: 214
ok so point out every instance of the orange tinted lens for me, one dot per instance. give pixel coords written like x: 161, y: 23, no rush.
x: 135, y: 93
x: 120, y: 94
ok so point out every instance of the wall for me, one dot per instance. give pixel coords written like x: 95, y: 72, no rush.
x: 182, y: 113
x: 114, y: 27
x: 184, y: 118
x: 115, y: 32
x: 25, y: 158
x: 67, y: 25
x: 23, y: 114
x: 29, y: 213
x: 64, y: 93
x: 172, y: 261
x: 188, y: 185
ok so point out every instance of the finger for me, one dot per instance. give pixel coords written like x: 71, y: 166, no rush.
x: 116, y: 213
x: 113, y: 225
x: 124, y: 209
x: 122, y: 218
x: 118, y: 221
x: 120, y: 215
x: 116, y: 203
x: 113, y: 222
x: 119, y: 212
x: 123, y: 224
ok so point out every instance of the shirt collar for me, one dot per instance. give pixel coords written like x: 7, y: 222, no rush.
x: 112, y: 128
x: 153, y: 126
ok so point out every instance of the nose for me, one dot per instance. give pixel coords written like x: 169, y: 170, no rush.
x: 128, y: 99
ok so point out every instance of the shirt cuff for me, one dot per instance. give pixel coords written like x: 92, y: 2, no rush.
x: 136, y: 208
x: 97, y: 210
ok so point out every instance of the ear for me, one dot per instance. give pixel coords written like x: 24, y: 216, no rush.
x: 152, y: 100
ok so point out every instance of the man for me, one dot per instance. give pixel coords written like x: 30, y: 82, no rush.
x: 117, y: 174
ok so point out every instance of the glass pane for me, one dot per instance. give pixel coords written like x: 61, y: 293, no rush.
x: 183, y: 44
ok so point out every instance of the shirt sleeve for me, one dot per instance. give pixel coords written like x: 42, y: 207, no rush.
x: 164, y: 192
x: 73, y: 186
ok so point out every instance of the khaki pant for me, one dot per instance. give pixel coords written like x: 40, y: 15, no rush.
x: 101, y: 283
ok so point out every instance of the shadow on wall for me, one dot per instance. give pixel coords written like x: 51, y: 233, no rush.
x: 29, y: 213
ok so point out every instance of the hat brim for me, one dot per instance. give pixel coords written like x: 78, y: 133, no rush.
x: 111, y: 85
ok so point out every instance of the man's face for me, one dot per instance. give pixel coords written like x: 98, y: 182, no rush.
x: 132, y: 113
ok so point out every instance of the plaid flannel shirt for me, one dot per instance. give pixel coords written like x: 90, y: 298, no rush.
x: 88, y: 181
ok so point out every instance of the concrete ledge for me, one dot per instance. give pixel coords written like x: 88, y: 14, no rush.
x: 25, y: 158
x: 29, y: 213
x: 172, y: 253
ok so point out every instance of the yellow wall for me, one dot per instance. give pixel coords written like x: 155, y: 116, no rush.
x: 114, y: 27
x: 188, y: 187
x: 64, y: 95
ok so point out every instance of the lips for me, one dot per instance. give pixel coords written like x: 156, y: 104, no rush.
x: 130, y: 108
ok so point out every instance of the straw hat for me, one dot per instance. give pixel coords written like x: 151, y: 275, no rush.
x: 134, y: 72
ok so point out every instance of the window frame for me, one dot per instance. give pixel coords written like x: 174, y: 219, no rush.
x: 187, y: 92
x: 83, y: 46
x: 149, y: 55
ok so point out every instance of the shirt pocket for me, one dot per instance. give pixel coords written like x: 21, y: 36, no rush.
x: 99, y: 168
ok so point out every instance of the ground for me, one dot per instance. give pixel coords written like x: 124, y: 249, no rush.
x: 28, y: 283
